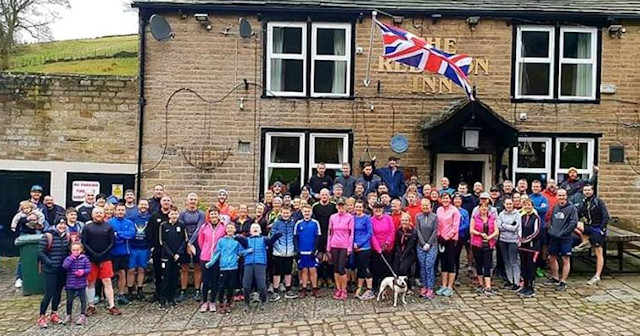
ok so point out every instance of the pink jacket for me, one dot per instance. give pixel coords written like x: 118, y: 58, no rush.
x: 448, y: 222
x: 383, y: 232
x: 208, y: 237
x: 340, y: 232
x: 476, y: 240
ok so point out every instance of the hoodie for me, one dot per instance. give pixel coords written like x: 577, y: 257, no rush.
x: 124, y: 231
x: 284, y: 246
x: 510, y: 226
x: 208, y: 237
x: 564, y: 220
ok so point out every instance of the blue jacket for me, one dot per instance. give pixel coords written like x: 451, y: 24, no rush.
x: 256, y: 248
x: 124, y: 231
x: 227, y: 251
x: 362, y: 232
x: 140, y: 221
x: 394, y: 181
x: 284, y: 246
x: 463, y: 231
x: 540, y: 203
x: 449, y: 191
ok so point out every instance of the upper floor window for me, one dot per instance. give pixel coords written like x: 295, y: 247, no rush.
x: 556, y: 63
x: 326, y: 46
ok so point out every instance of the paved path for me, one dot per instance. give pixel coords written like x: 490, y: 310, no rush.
x: 613, y: 308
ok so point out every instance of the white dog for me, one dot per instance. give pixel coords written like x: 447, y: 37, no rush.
x: 399, y: 286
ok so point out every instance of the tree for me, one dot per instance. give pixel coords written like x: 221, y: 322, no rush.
x: 19, y: 18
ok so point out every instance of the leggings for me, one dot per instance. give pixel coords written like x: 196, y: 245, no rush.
x: 403, y: 266
x: 227, y: 283
x: 82, y: 294
x: 363, y: 258
x: 427, y: 261
x: 379, y: 268
x: 528, y: 267
x: 53, y: 284
x: 169, y: 279
x: 210, y: 278
x: 447, y: 256
x: 510, y: 257
x: 254, y: 274
x: 458, y: 251
x: 483, y: 261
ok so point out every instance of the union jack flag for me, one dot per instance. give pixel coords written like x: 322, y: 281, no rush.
x: 406, y: 48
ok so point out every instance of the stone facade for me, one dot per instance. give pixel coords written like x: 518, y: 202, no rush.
x: 213, y: 64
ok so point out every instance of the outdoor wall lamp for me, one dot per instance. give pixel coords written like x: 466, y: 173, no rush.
x: 471, y: 135
x: 472, y: 21
x: 616, y: 31
x: 204, y: 20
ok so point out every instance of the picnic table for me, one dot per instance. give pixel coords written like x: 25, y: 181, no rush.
x: 622, y: 238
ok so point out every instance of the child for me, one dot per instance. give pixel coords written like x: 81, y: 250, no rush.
x: 405, y: 247
x: 255, y: 263
x: 78, y: 268
x: 283, y: 253
x: 174, y: 242
x: 28, y: 220
x: 306, y: 233
x: 73, y: 225
x: 227, y: 251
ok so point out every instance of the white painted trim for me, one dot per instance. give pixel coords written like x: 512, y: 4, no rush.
x: 267, y: 155
x: 590, y: 155
x: 487, y: 172
x: 547, y: 159
x: 59, y: 170
x: 312, y: 150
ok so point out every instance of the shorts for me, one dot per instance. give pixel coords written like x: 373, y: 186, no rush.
x: 339, y: 258
x: 559, y: 247
x: 597, y: 236
x: 185, y: 258
x: 307, y: 261
x: 282, y: 265
x: 103, y: 270
x: 120, y: 262
x: 138, y: 258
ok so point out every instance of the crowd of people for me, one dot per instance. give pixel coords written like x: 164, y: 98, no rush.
x: 346, y: 234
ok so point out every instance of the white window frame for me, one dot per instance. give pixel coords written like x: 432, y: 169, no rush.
x: 590, y: 155
x: 593, y: 61
x: 523, y: 60
x: 267, y: 156
x: 312, y: 150
x: 547, y: 159
x: 271, y: 55
x: 345, y: 58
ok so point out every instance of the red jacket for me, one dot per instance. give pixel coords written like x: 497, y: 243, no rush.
x: 553, y: 200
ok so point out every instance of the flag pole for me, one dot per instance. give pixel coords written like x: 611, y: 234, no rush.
x: 367, y: 78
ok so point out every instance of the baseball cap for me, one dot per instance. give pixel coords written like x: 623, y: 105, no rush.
x: 60, y: 220
x: 485, y: 195
x: 37, y: 187
x: 492, y: 189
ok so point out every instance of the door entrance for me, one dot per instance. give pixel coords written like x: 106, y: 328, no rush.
x: 467, y: 171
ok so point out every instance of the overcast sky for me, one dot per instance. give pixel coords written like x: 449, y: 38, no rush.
x: 93, y: 18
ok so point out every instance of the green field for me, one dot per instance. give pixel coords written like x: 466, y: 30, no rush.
x: 114, y: 55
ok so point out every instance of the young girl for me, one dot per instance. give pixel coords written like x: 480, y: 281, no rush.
x: 362, y: 247
x: 484, y: 232
x: 53, y: 249
x: 448, y: 229
x: 78, y: 267
x: 427, y: 232
x: 208, y: 236
x: 227, y: 251
x: 174, y: 242
x: 529, y: 247
x: 510, y: 230
x: 405, y: 247
x: 340, y: 245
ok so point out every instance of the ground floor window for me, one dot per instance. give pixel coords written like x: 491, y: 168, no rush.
x: 545, y: 157
x: 292, y: 155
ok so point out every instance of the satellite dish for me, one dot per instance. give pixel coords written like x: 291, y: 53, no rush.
x: 160, y: 28
x: 245, y: 28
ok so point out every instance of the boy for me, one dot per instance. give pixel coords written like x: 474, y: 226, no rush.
x: 306, y: 233
x: 283, y: 253
x: 73, y: 225
x: 124, y: 231
x: 174, y: 242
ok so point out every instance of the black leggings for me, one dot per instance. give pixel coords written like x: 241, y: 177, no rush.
x: 403, y: 267
x: 483, y: 259
x: 228, y: 280
x: 53, y: 284
x: 210, y: 277
x: 528, y: 267
x: 379, y: 268
x: 80, y: 293
x: 362, y: 261
x: 448, y: 256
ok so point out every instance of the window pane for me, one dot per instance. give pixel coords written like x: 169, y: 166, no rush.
x: 577, y: 45
x: 331, y: 41
x: 573, y: 154
x: 328, y: 150
x: 285, y: 150
x: 535, y: 44
x: 330, y: 77
x: 534, y: 79
x: 577, y: 80
x: 287, y: 75
x: 532, y: 176
x: 284, y: 175
x: 532, y: 154
x: 287, y: 40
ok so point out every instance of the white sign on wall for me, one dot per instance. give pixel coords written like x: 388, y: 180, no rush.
x: 78, y: 189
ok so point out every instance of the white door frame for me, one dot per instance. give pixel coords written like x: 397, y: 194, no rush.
x: 487, y: 171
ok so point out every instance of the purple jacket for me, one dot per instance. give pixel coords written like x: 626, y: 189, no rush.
x: 72, y: 264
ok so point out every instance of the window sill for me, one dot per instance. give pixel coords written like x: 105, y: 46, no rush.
x: 555, y: 101
x: 265, y: 96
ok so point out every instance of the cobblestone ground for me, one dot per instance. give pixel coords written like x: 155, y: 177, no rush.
x: 612, y: 308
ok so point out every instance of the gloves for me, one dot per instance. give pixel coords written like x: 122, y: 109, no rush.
x: 79, y: 273
x: 426, y: 247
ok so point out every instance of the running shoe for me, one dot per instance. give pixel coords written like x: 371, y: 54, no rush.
x: 593, y: 280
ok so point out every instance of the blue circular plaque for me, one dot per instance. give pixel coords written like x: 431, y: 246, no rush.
x: 399, y: 143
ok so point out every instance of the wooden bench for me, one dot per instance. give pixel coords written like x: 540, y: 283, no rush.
x: 622, y: 239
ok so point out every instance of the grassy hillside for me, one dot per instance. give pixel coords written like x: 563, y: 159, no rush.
x: 114, y: 55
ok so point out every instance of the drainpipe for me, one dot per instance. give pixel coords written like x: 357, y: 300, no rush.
x: 142, y: 24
